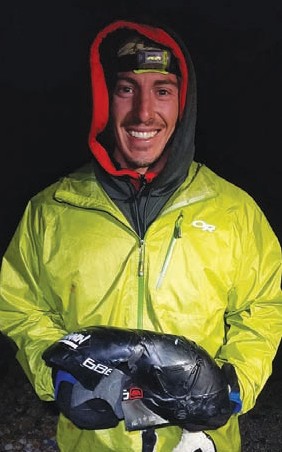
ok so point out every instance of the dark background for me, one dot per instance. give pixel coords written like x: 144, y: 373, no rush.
x: 46, y: 101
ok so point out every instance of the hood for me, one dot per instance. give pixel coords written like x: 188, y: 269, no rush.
x: 181, y: 144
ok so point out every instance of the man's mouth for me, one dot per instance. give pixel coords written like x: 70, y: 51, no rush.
x: 142, y: 135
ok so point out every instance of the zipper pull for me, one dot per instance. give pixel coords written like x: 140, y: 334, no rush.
x: 141, y: 258
x: 177, y: 228
x: 177, y: 234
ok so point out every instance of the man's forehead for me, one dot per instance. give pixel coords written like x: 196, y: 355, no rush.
x: 154, y: 77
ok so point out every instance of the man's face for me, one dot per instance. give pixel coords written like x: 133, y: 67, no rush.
x: 144, y: 112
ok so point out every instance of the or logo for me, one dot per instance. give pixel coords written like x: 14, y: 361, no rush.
x: 203, y: 225
x: 132, y: 393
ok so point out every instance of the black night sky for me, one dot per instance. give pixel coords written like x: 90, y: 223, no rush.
x: 236, y: 47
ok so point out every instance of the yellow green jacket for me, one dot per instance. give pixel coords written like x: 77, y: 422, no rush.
x: 208, y: 267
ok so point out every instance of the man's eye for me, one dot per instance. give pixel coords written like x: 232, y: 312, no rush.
x: 163, y: 92
x: 123, y: 89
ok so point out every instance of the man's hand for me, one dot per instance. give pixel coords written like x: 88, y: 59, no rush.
x: 232, y: 380
x: 82, y: 406
x: 195, y: 442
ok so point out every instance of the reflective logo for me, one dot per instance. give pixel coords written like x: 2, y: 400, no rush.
x: 74, y: 339
x: 97, y: 367
x: 154, y: 58
x: 200, y: 224
x: 132, y: 394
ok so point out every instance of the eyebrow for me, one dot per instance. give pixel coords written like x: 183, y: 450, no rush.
x: 156, y: 82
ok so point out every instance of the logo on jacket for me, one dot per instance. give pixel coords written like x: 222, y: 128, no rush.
x: 201, y: 224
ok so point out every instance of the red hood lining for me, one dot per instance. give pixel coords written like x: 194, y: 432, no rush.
x: 100, y: 93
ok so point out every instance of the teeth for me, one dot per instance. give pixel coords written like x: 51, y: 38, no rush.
x: 142, y: 135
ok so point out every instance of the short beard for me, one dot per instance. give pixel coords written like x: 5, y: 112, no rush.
x: 156, y: 165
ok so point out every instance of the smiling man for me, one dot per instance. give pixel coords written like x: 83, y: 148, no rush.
x: 145, y: 105
x: 145, y: 111
x: 144, y: 238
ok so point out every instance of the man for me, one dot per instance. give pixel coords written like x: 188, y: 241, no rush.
x: 145, y: 237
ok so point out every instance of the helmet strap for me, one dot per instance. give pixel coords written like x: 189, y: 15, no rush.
x: 149, y: 439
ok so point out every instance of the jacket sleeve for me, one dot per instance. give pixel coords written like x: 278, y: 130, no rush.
x: 27, y: 317
x: 254, y: 315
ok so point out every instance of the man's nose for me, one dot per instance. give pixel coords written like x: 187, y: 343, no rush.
x: 144, y: 106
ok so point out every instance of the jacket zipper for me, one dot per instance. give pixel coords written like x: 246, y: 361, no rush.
x: 177, y: 234
x: 141, y: 264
